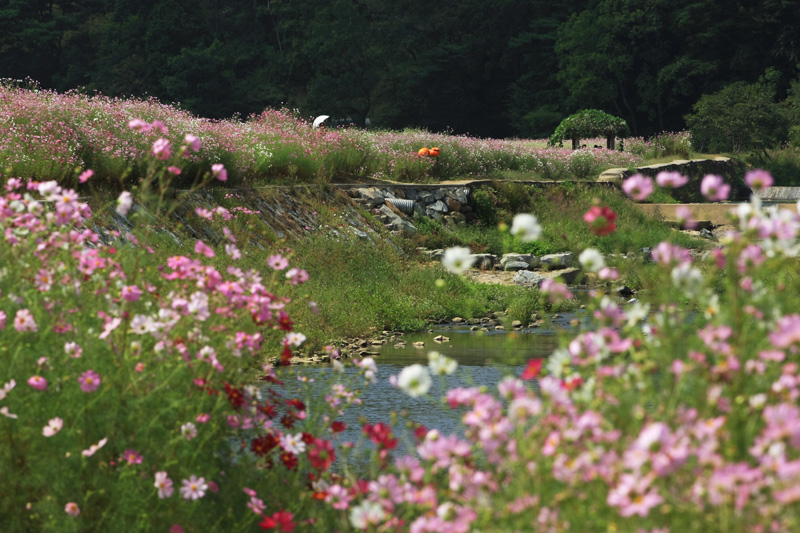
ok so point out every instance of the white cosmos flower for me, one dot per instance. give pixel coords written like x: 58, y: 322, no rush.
x: 414, y: 380
x: 458, y: 259
x: 526, y: 227
x: 592, y: 260
x: 293, y: 443
x: 365, y: 514
x: 687, y: 278
x: 440, y: 364
x: 557, y: 361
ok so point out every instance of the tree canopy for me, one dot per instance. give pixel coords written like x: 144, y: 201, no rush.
x: 500, y: 69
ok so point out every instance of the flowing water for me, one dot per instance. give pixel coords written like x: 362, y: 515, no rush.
x: 484, y: 358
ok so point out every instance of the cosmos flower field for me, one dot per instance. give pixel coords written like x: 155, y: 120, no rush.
x: 134, y: 391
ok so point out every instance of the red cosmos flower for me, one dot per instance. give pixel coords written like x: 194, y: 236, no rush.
x: 289, y: 460
x: 338, y: 426
x: 286, y: 356
x: 600, y: 220
x: 321, y: 454
x: 235, y: 396
x: 284, y: 322
x: 572, y: 383
x: 280, y: 519
x: 264, y: 444
x: 380, y: 434
x: 308, y: 438
x: 297, y: 404
x: 420, y: 432
x: 268, y: 409
x: 533, y: 369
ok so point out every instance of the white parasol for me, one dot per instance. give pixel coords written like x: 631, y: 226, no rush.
x: 319, y: 120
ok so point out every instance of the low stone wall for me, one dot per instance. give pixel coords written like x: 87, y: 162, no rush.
x: 730, y: 169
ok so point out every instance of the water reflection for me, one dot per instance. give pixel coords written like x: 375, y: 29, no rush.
x: 484, y: 358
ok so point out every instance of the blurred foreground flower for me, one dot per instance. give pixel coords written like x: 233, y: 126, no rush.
x: 600, y: 220
x: 526, y: 227
x: 458, y: 259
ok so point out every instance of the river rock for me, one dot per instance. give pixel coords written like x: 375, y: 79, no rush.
x: 530, y: 259
x: 438, y: 207
x: 371, y: 196
x: 453, y: 205
x: 526, y: 278
x: 554, y: 261
x: 515, y: 266
x: 483, y: 261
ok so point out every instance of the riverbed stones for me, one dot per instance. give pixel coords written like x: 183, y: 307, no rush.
x: 515, y: 266
x: 526, y: 278
x: 556, y: 261
x: 371, y: 196
x: 531, y: 260
x: 483, y: 261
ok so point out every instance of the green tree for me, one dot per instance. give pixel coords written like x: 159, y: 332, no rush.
x: 741, y: 117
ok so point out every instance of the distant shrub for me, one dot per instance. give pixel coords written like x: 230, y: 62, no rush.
x: 741, y: 117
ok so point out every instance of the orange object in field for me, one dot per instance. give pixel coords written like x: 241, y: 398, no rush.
x: 435, y: 151
x: 424, y: 151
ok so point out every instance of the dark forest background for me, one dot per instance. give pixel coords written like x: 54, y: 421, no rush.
x: 493, y: 69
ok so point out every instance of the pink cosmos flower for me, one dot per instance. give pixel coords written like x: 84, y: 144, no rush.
x: 160, y: 126
x: 256, y: 505
x: 131, y: 293
x: 600, y: 220
x: 72, y: 509
x: 124, y: 203
x: 714, y: 188
x: 52, y: 427
x: 204, y: 213
x: 2, y: 320
x: 94, y: 447
x: 193, y: 142
x: 296, y: 276
x: 90, y: 381
x: 671, y: 179
x: 139, y: 367
x: 203, y: 249
x: 277, y: 262
x: 189, y: 430
x: 23, y: 321
x: 175, y: 171
x: 638, y: 187
x: 132, y: 456
x: 37, y: 382
x: 219, y: 172
x: 138, y: 124
x: 202, y: 418
x: 233, y: 251
x: 758, y: 179
x: 162, y: 149
x: 176, y: 528
x: 164, y: 485
x: 787, y: 331
x: 194, y: 488
x: 85, y: 175
x: 684, y: 216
